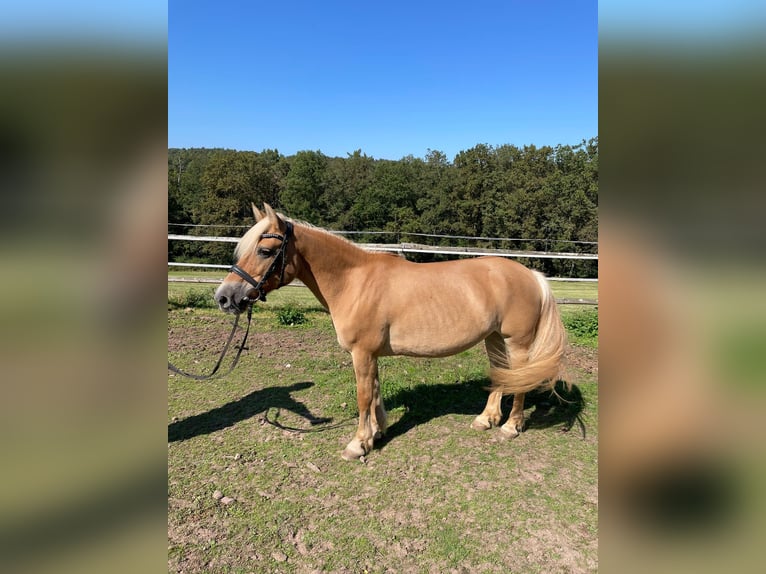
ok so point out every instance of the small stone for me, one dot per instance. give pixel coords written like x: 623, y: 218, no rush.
x: 227, y: 500
x: 279, y: 556
x: 313, y: 467
x: 343, y: 405
x: 288, y: 365
x: 237, y: 456
x: 218, y: 495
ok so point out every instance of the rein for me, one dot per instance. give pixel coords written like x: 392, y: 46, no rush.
x: 261, y: 296
x: 211, y: 374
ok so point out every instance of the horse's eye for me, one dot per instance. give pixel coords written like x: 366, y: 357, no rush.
x: 265, y: 253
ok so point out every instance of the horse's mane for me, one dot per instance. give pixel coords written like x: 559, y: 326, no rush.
x: 253, y: 235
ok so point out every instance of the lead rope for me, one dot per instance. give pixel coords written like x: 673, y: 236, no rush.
x: 212, y: 373
x: 258, y: 285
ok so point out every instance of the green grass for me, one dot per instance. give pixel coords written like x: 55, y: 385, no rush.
x: 434, y: 495
x: 582, y: 326
x: 291, y: 315
x: 575, y: 289
x: 201, y: 298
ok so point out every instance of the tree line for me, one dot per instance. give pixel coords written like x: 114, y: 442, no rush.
x: 546, y: 195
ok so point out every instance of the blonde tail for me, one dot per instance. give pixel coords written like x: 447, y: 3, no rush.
x: 545, y: 353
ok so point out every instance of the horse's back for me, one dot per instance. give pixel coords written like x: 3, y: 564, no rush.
x: 491, y: 280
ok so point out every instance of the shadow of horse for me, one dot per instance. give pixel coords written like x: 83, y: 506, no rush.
x: 248, y: 406
x: 561, y: 405
x: 422, y: 403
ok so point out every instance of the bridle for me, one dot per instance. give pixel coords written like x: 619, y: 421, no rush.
x: 280, y: 257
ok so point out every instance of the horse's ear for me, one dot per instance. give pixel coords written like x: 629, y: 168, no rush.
x: 256, y: 213
x: 270, y: 212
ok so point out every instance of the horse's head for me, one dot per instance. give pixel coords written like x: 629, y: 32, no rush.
x: 264, y: 257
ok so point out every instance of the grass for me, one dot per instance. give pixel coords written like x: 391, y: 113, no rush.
x: 199, y: 298
x: 433, y: 496
x: 291, y: 315
x: 582, y: 326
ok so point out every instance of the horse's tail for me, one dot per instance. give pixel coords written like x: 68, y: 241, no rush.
x: 544, y: 364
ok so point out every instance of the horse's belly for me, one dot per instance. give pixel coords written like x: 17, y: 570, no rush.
x: 430, y: 349
x: 435, y: 338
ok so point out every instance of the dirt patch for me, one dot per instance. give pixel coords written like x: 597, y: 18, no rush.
x: 583, y: 359
x: 204, y: 333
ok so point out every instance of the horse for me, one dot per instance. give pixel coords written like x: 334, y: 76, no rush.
x: 383, y: 305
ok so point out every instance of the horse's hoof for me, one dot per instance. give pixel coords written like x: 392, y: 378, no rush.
x: 350, y: 456
x: 353, y: 451
x: 479, y: 425
x: 508, y: 434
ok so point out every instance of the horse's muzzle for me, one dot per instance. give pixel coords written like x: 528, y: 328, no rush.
x: 235, y: 297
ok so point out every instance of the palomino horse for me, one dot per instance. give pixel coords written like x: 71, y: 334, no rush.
x: 385, y: 305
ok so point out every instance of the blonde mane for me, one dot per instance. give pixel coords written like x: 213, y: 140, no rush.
x: 253, y: 235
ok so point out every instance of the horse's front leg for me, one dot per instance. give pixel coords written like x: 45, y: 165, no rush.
x: 366, y: 371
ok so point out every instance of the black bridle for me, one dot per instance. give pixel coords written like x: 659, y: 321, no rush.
x: 280, y: 257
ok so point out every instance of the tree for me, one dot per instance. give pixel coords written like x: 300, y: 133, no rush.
x: 346, y: 180
x: 269, y: 171
x: 230, y: 182
x: 476, y: 182
x: 436, y: 205
x: 304, y: 186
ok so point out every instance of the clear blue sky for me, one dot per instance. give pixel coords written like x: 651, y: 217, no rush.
x: 390, y: 78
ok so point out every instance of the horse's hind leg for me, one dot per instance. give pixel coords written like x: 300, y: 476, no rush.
x: 515, y: 423
x: 498, y: 358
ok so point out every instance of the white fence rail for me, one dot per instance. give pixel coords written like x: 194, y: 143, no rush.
x: 395, y: 248
x: 418, y: 248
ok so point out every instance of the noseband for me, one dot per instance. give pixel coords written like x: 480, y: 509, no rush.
x: 279, y: 258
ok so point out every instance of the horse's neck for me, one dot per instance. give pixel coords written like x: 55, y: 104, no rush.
x: 328, y: 261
